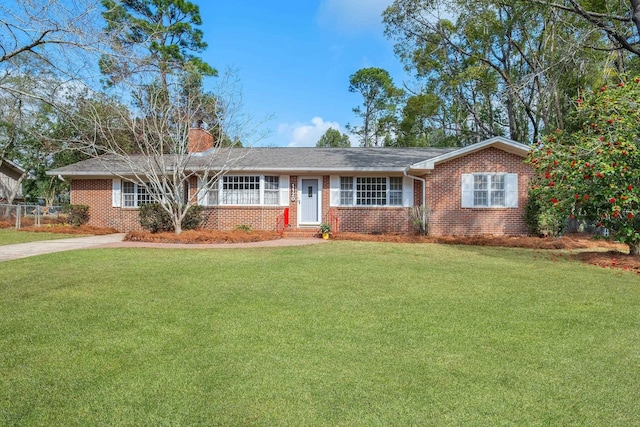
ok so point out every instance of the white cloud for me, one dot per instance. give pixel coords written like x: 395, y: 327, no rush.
x: 306, y: 134
x: 352, y: 15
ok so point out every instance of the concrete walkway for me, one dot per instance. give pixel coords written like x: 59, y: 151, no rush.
x: 24, y: 250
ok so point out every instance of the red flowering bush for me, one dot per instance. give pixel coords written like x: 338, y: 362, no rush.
x: 591, y: 169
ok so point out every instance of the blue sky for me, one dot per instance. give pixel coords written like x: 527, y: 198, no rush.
x: 294, y: 57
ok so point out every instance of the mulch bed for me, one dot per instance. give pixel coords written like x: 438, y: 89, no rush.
x: 592, y: 251
x: 29, y: 222
x: 597, y: 252
x: 70, y: 229
x: 577, y: 241
x: 202, y: 236
x: 610, y: 259
x: 57, y: 226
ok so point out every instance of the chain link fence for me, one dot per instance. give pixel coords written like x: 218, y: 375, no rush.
x: 19, y: 216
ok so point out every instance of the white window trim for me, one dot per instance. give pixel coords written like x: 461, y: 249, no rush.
x: 510, y: 190
x: 407, y: 192
x: 283, y: 192
x: 264, y: 191
x: 136, y: 189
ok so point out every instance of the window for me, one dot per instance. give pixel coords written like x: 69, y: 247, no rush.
x: 128, y: 194
x: 395, y: 191
x: 486, y: 190
x: 271, y: 190
x: 244, y: 190
x: 212, y: 193
x: 496, y: 193
x: 241, y: 190
x: 346, y: 191
x: 135, y: 195
x: 481, y: 190
x: 371, y: 191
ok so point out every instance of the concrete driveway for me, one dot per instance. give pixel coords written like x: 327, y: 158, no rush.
x: 23, y: 250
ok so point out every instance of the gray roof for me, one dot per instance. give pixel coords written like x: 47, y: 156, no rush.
x: 10, y: 166
x: 289, y: 160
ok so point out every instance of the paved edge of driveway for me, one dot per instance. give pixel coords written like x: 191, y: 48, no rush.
x: 24, y: 250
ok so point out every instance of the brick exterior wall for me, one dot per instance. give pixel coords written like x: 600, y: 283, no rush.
x: 374, y: 220
x: 444, y: 200
x: 444, y: 196
x: 96, y: 193
x: 230, y: 217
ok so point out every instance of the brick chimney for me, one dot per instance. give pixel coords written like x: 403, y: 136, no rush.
x: 199, y: 140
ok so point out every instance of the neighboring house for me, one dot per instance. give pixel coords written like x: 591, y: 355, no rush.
x: 10, y: 181
x: 478, y: 189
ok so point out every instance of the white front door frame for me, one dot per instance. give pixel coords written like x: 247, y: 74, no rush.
x: 303, y: 193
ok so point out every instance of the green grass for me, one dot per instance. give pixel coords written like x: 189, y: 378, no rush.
x: 344, y: 333
x: 12, y: 236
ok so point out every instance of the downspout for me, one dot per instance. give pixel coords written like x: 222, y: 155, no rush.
x: 424, y: 195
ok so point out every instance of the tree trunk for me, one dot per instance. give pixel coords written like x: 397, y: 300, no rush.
x: 635, y: 13
x: 634, y: 248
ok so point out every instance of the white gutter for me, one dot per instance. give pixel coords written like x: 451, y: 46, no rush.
x: 424, y: 195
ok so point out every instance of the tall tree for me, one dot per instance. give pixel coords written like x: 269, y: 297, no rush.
x: 332, y: 138
x: 44, y: 48
x: 164, y: 31
x: 618, y: 20
x: 380, y: 99
x: 54, y: 31
x: 421, y: 123
x: 159, y: 160
x: 498, y: 67
x: 154, y: 72
x: 28, y: 101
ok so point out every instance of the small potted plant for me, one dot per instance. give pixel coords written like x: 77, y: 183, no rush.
x: 325, y: 229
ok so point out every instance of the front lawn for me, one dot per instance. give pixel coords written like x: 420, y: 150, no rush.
x: 13, y: 236
x: 344, y: 333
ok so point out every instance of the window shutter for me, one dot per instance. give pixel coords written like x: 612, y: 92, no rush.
x: 283, y: 182
x: 116, y: 193
x: 407, y: 192
x: 467, y: 190
x: 334, y: 193
x: 511, y: 190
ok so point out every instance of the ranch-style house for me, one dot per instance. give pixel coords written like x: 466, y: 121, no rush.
x: 479, y: 189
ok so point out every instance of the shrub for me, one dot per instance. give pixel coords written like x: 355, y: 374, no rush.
x: 155, y: 219
x: 193, y: 220
x: 243, y: 227
x: 543, y: 219
x: 78, y: 214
